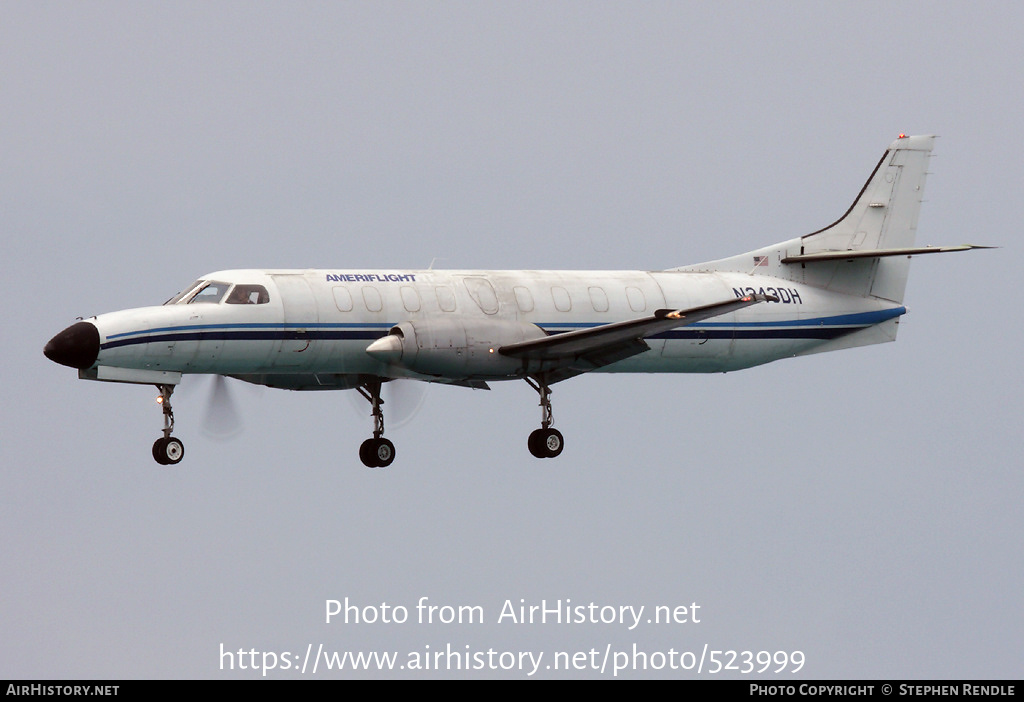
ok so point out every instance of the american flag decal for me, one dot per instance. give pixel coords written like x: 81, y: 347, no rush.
x: 760, y: 261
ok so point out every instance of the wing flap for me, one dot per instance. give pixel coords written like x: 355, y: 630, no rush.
x: 586, y: 349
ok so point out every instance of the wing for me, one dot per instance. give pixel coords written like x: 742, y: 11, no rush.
x: 565, y: 355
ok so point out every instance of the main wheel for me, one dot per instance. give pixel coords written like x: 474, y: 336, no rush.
x: 545, y: 443
x: 377, y: 453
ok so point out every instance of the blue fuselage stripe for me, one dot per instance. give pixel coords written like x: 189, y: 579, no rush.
x: 297, y: 334
x: 267, y: 325
x: 815, y: 328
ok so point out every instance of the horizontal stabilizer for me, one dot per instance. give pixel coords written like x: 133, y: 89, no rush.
x: 876, y: 253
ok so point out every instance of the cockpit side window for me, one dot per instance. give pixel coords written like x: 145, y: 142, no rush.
x: 211, y: 292
x: 248, y: 295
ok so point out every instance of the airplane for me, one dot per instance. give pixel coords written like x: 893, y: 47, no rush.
x: 836, y: 288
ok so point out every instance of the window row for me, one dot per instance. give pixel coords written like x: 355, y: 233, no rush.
x: 483, y: 295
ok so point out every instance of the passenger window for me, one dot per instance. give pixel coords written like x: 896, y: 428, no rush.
x: 561, y: 297
x: 637, y: 301
x: 371, y: 298
x: 248, y: 295
x: 410, y: 299
x: 342, y: 299
x: 445, y: 298
x: 524, y: 300
x: 598, y: 299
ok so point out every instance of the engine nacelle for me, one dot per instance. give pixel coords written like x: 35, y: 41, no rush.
x: 455, y: 348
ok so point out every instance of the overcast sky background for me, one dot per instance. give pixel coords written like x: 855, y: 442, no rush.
x: 863, y: 507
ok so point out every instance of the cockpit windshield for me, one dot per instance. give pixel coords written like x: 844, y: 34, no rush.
x: 212, y: 291
x: 185, y: 292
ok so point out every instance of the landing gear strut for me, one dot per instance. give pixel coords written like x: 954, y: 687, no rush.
x: 167, y: 450
x: 544, y: 442
x: 377, y: 452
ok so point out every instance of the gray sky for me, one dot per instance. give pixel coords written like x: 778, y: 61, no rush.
x: 862, y: 507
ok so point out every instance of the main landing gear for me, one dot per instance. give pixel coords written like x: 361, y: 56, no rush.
x: 377, y: 452
x: 544, y: 442
x: 167, y: 450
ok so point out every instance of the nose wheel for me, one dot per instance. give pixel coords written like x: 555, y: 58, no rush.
x: 167, y: 450
x: 377, y: 452
x: 544, y: 442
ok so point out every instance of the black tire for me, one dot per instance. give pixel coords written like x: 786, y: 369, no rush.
x: 158, y: 451
x: 536, y: 443
x: 368, y: 453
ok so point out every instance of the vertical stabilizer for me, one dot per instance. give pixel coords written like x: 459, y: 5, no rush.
x: 880, y: 225
x: 884, y: 216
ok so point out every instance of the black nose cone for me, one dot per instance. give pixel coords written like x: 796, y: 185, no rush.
x: 78, y: 346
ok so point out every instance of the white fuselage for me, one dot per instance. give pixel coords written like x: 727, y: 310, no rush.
x: 318, y: 323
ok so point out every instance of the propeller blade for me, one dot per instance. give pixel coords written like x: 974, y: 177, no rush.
x: 222, y: 419
x: 402, y: 399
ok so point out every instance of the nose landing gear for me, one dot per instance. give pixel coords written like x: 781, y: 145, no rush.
x: 544, y: 442
x: 377, y: 452
x: 167, y: 450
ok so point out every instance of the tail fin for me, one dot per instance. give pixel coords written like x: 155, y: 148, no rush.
x: 866, y: 251
x: 882, y: 223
